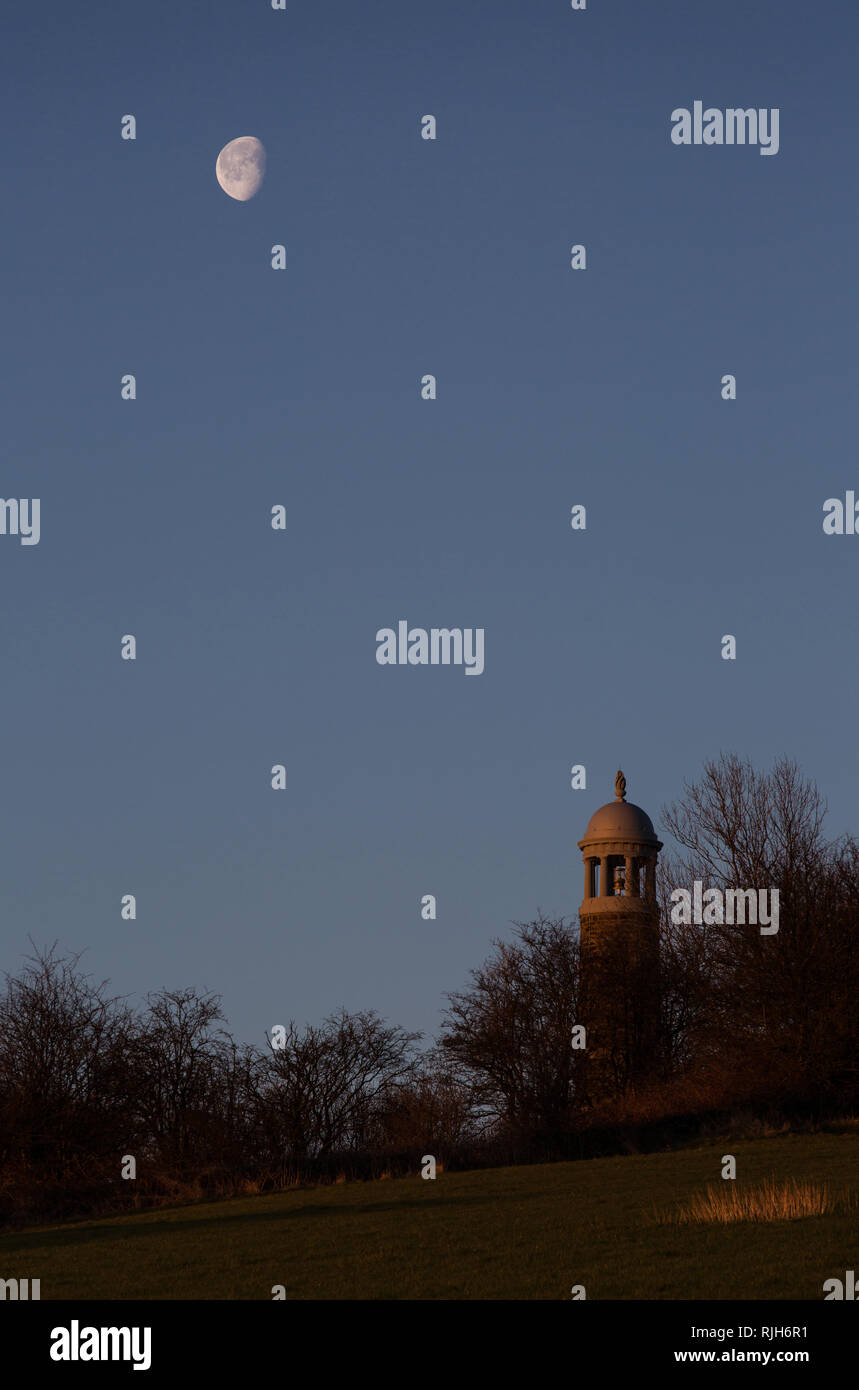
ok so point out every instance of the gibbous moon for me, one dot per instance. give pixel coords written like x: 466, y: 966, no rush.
x: 241, y: 167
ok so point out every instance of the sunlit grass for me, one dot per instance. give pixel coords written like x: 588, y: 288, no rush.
x: 769, y: 1201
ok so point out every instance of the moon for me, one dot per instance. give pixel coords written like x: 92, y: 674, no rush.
x: 241, y: 167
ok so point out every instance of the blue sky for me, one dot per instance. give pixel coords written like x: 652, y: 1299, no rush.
x: 301, y: 387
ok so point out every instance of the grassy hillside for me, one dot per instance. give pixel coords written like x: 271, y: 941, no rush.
x: 506, y: 1233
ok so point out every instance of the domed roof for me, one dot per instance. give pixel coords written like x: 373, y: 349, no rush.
x: 620, y: 819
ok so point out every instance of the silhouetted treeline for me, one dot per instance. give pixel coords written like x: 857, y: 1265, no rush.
x: 87, y: 1084
x: 763, y: 1024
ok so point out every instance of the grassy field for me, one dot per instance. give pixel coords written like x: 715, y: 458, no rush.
x: 522, y: 1233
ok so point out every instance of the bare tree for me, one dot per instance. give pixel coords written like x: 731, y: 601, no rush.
x: 321, y: 1091
x: 431, y: 1111
x: 179, y: 1060
x: 511, y: 1032
x: 64, y: 1047
x: 785, y: 999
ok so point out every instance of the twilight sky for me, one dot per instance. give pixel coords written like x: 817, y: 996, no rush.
x: 301, y: 387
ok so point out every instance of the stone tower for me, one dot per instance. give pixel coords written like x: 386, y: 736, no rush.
x: 620, y: 947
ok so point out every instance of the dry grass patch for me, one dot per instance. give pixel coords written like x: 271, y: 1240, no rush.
x: 768, y: 1201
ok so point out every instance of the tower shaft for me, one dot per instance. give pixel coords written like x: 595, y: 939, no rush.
x: 619, y: 948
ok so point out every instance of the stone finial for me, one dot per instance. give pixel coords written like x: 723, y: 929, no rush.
x: 620, y: 787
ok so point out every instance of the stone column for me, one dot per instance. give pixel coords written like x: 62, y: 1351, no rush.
x: 650, y: 880
x: 631, y: 876
x: 605, y: 884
